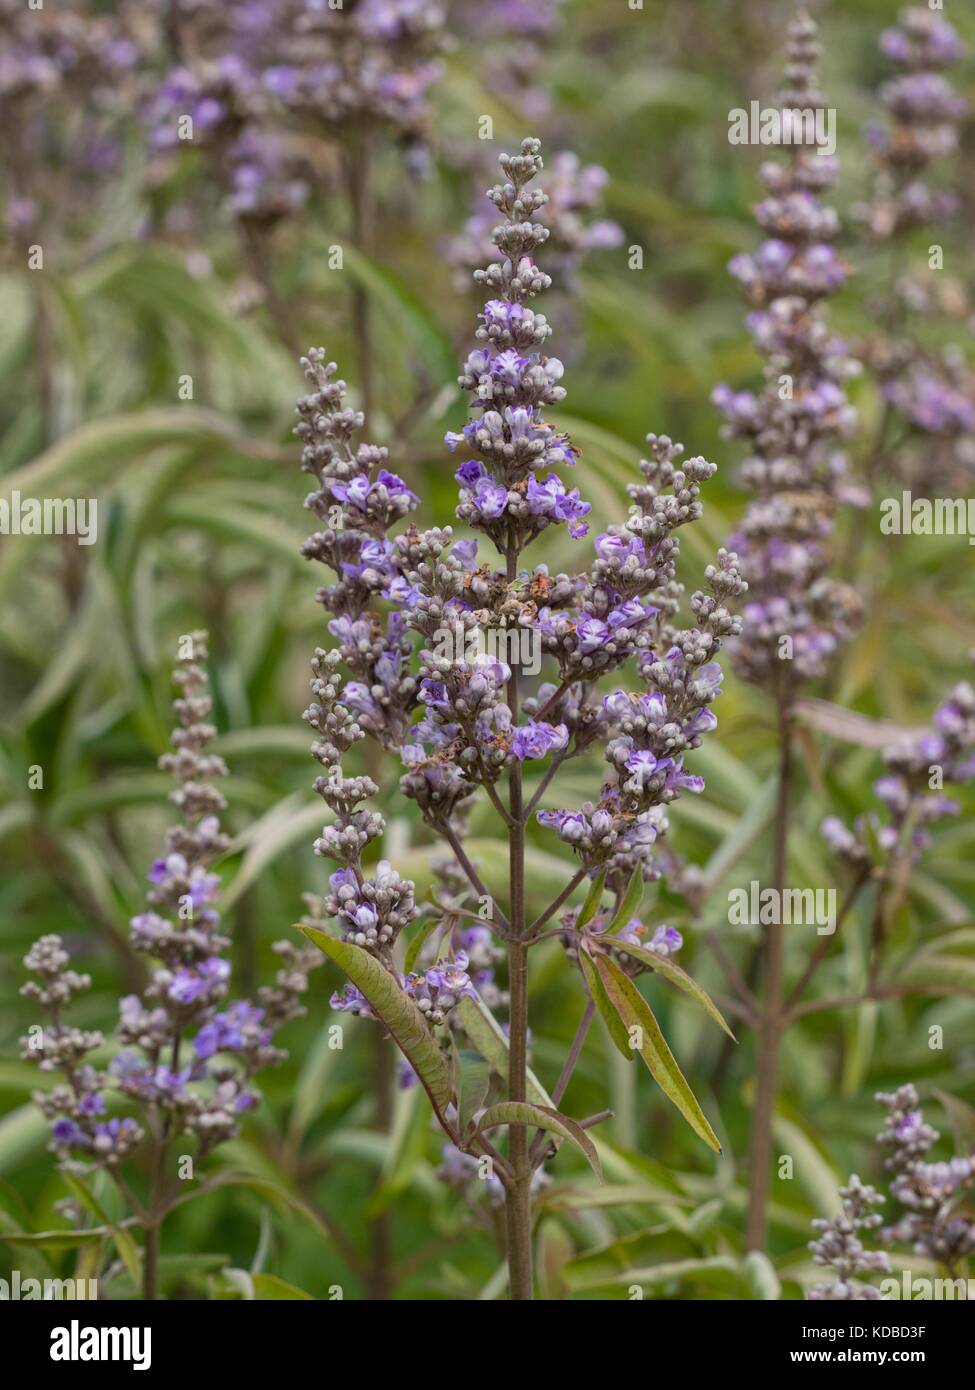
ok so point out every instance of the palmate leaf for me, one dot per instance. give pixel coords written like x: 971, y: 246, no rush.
x: 664, y: 966
x: 635, y: 1012
x: 513, y: 1112
x: 398, y: 1012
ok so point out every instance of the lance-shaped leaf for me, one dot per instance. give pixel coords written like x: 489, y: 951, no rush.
x: 671, y: 971
x: 473, y: 1074
x: 948, y: 974
x: 55, y: 1240
x: 961, y: 1117
x: 491, y: 1041
x: 588, y: 910
x: 630, y: 905
x: 398, y: 1012
x: 124, y: 1244
x: 513, y: 1112
x: 419, y: 940
x: 617, y: 1030
x: 636, y: 1013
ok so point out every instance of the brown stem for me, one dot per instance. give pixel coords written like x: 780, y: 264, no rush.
x: 565, y: 1076
x: 770, y: 1027
x: 826, y: 941
x: 555, y: 697
x: 575, y: 1052
x: 357, y: 184
x: 379, y: 1282
x: 153, y: 1221
x: 553, y: 907
x: 542, y: 787
x: 731, y: 972
x: 473, y: 877
x: 867, y: 996
x: 518, y: 1191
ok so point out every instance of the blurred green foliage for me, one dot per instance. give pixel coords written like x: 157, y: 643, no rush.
x: 200, y: 523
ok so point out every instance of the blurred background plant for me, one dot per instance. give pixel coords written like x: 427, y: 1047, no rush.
x: 149, y: 363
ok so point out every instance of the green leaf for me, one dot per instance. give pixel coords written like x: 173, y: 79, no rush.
x: 576, y: 1198
x: 126, y: 1246
x: 290, y: 822
x: 813, y: 1171
x: 670, y: 970
x: 406, y: 309
x: 720, y: 1270
x: 407, y: 1141
x: 961, y: 1117
x: 268, y: 1189
x: 473, y: 1081
x: 513, y: 1112
x: 949, y: 973
x: 94, y: 451
x: 309, y: 1093
x: 588, y: 909
x: 630, y: 905
x: 762, y: 1276
x: 240, y: 1279
x: 419, y: 940
x: 269, y: 1287
x: 617, y: 1032
x: 634, y: 1011
x: 21, y: 1132
x: 55, y: 1240
x: 487, y: 1035
x: 740, y: 837
x: 398, y: 1012
x: 129, y: 1253
x: 212, y: 509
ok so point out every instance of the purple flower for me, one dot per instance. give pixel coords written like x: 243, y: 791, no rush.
x: 534, y: 740
x: 665, y: 941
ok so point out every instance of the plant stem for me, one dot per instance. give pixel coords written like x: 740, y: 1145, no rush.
x: 154, y: 1215
x: 473, y: 877
x: 518, y: 1191
x: 575, y: 1052
x: 771, y: 1024
x: 822, y: 949
x: 357, y: 183
x: 553, y: 907
x: 379, y: 1283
